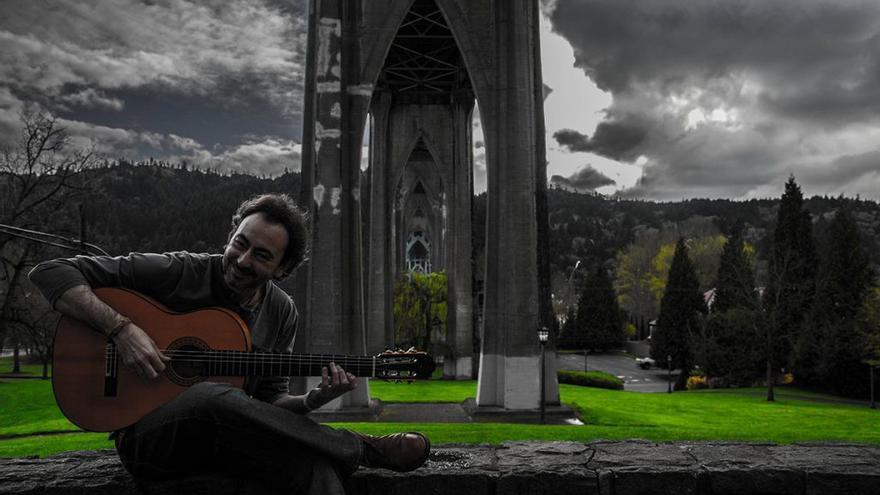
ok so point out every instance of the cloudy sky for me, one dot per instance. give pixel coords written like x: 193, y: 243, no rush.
x: 660, y: 99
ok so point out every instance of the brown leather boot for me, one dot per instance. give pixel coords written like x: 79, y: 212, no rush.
x: 397, y: 451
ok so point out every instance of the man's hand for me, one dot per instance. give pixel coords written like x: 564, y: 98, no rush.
x: 139, y: 352
x: 335, y: 381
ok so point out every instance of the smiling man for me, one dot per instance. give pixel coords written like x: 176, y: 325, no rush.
x: 261, y: 431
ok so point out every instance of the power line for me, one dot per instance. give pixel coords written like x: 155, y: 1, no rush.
x: 44, y: 238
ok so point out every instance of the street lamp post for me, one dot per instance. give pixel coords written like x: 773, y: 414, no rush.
x: 570, y: 291
x: 543, y: 335
x: 669, y: 373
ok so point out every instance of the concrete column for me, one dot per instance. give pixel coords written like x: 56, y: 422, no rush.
x: 331, y: 170
x: 459, y: 268
x: 380, y: 324
x: 509, y: 361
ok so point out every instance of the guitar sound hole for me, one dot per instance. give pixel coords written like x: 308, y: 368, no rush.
x: 187, y: 367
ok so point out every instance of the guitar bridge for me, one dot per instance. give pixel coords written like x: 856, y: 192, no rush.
x: 111, y: 369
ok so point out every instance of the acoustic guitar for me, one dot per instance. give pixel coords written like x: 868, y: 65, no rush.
x: 97, y: 393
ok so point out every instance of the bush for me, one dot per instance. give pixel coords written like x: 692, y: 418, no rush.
x: 596, y: 379
x: 697, y: 383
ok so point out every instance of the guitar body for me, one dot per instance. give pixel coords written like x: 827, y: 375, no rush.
x: 98, y: 393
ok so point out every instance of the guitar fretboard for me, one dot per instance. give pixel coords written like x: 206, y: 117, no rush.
x: 244, y: 363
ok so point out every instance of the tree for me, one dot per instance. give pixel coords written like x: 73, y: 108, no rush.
x: 868, y: 332
x: 569, y: 336
x: 731, y: 349
x: 419, y: 302
x: 735, y: 282
x: 634, y: 266
x: 791, y: 282
x: 643, y: 267
x: 38, y: 181
x: 33, y: 323
x: 827, y: 350
x: 598, y: 315
x: 730, y: 345
x: 680, y: 311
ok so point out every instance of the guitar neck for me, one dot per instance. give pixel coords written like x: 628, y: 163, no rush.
x: 243, y: 363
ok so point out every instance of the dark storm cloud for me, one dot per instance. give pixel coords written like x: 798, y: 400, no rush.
x: 746, y: 91
x: 585, y: 179
x: 614, y: 140
x: 622, y: 43
x: 573, y: 140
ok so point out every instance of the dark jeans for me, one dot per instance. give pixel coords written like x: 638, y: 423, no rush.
x: 213, y: 427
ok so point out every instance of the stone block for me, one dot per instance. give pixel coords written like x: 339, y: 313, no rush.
x: 545, y: 467
x: 734, y: 468
x: 832, y: 468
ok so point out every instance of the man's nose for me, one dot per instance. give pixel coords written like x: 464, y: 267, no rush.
x: 245, y: 259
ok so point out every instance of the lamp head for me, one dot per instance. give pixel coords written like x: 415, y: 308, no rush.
x: 543, y: 335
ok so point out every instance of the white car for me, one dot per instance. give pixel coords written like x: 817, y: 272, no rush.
x: 645, y: 363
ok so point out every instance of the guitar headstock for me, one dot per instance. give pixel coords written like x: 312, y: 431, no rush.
x: 404, y: 365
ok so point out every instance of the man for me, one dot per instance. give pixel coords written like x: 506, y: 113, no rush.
x: 259, y: 432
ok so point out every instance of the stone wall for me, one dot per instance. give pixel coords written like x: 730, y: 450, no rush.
x: 558, y: 468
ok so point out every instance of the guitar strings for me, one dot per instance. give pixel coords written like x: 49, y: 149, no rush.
x: 222, y: 362
x: 221, y: 355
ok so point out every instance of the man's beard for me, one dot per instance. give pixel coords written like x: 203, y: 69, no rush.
x: 236, y: 278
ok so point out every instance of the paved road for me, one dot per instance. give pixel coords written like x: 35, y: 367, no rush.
x: 621, y: 366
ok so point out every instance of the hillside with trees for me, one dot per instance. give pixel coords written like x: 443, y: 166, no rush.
x: 156, y: 206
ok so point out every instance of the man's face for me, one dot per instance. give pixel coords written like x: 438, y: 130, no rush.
x: 253, y: 255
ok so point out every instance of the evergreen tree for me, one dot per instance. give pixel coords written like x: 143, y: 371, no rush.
x: 679, y: 319
x: 735, y: 283
x: 828, y: 353
x: 598, y: 313
x: 730, y: 348
x: 791, y: 280
x: 731, y: 351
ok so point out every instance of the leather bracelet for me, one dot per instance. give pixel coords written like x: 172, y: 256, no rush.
x: 118, y: 328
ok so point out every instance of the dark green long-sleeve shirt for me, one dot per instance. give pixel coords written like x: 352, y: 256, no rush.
x: 183, y: 282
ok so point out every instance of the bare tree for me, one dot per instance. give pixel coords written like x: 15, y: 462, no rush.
x: 33, y: 322
x: 39, y: 178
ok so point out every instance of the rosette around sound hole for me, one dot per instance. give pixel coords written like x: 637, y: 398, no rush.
x: 189, y: 361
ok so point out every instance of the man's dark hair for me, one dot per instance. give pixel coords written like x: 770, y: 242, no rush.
x: 282, y: 210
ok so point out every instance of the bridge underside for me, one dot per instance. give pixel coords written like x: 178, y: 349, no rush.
x: 412, y: 70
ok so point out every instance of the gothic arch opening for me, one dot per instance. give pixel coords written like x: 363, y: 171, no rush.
x: 419, y: 212
x: 424, y: 63
x: 421, y: 174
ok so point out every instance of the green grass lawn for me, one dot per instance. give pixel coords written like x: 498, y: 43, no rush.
x: 26, y: 368
x: 27, y: 409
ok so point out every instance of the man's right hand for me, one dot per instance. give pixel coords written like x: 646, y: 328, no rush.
x: 139, y: 352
